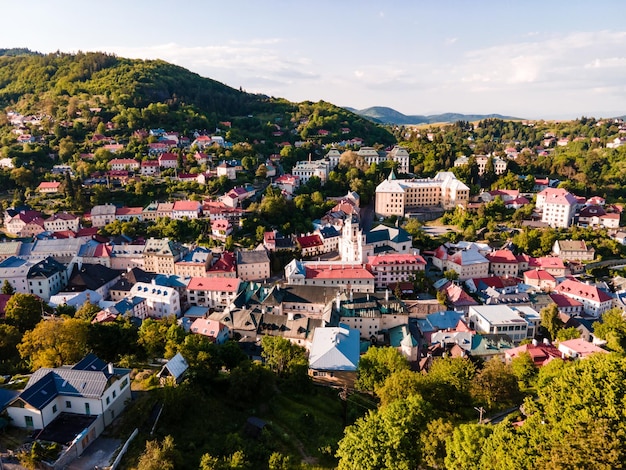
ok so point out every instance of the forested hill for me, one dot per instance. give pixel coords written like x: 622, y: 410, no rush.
x: 128, y: 90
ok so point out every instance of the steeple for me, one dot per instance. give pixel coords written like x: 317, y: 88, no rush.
x: 392, y: 176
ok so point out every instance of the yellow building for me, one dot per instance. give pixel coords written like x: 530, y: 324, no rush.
x: 395, y: 197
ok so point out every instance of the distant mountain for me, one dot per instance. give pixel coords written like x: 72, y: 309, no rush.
x: 384, y: 115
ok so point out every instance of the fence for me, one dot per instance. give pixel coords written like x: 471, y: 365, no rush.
x: 118, y: 459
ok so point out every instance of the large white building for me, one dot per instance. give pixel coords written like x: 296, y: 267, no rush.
x: 558, y: 207
x: 397, y: 197
x: 161, y: 301
x: 400, y: 155
x: 212, y: 292
x: 595, y: 301
x: 331, y: 274
x: 307, y: 169
x: 499, y: 319
x: 394, y: 268
x: 89, y: 388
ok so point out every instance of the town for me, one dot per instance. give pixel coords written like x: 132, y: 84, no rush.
x: 486, y: 243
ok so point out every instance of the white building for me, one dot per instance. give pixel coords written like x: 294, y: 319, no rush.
x: 102, y: 215
x: 307, y: 169
x: 400, y: 155
x: 331, y: 274
x: 558, y: 207
x: 595, y: 301
x: 61, y: 222
x: 498, y: 319
x: 120, y: 164
x: 89, y: 388
x: 394, y: 268
x: 212, y: 292
x: 161, y: 301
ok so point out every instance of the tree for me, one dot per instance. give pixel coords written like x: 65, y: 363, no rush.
x: 524, y: 369
x: 282, y: 356
x: 10, y: 337
x: 495, y: 385
x: 160, y: 456
x: 87, y: 311
x: 399, y: 385
x: 550, y: 321
x: 376, y: 365
x: 612, y: 329
x: 448, y: 383
x: 433, y: 442
x: 451, y: 275
x: 7, y: 288
x: 261, y: 171
x: 386, y: 439
x: 55, y: 342
x: 152, y: 336
x: 567, y: 334
x: 24, y: 311
x: 280, y: 461
x: 463, y: 449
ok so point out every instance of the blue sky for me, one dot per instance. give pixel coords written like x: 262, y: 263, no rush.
x: 533, y: 59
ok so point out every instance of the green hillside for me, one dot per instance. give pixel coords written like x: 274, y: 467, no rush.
x: 143, y: 93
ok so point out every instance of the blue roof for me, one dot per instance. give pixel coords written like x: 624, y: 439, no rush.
x: 439, y: 321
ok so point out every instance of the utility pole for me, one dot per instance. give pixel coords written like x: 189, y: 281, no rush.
x: 480, y: 410
x: 343, y: 394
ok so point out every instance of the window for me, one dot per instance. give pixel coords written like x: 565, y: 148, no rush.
x: 54, y: 408
x: 68, y: 404
x: 114, y: 394
x: 29, y: 421
x: 87, y: 409
x: 108, y: 400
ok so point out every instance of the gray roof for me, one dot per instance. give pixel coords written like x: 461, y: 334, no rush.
x: 175, y: 367
x: 88, y: 378
x: 252, y: 257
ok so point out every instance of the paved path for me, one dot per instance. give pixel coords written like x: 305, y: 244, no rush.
x: 98, y: 455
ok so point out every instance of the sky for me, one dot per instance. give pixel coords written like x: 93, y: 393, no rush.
x: 555, y: 59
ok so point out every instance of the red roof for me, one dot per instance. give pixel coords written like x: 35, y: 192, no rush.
x: 395, y: 259
x: 502, y: 256
x: 336, y: 271
x: 220, y: 224
x: 218, y: 284
x: 129, y: 211
x: 49, y: 185
x: 541, y: 353
x: 123, y: 161
x: 539, y: 275
x: 563, y: 301
x: 168, y: 157
x: 206, y: 327
x: 87, y: 232
x: 546, y: 262
x: 147, y: 163
x: 186, y: 206
x: 309, y: 241
x: 226, y: 263
x: 578, y: 289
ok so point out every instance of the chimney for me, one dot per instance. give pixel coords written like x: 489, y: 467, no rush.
x: 546, y: 341
x: 387, y: 295
x: 351, y: 295
x: 535, y: 342
x: 110, y: 368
